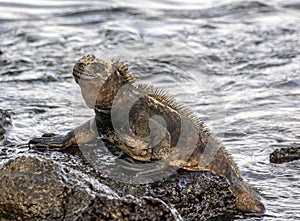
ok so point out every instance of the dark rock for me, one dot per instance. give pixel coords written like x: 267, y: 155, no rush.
x: 128, y: 208
x: 39, y: 189
x: 285, y: 154
x: 32, y: 189
x: 2, y: 132
x: 5, y: 120
x: 195, y: 195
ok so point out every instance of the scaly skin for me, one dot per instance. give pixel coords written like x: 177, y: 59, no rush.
x: 148, y: 126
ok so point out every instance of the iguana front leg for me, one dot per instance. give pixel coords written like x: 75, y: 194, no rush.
x: 82, y: 134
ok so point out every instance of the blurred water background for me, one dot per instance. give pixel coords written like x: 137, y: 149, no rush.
x: 236, y: 64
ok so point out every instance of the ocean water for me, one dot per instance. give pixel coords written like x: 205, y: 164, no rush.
x: 236, y: 64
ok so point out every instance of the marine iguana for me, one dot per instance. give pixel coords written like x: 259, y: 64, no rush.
x: 156, y: 127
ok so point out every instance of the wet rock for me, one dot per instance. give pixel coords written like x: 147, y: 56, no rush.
x: 5, y: 117
x: 5, y: 120
x: 195, y: 195
x: 128, y: 208
x: 2, y: 132
x: 285, y: 154
x: 37, y: 189
x: 32, y: 189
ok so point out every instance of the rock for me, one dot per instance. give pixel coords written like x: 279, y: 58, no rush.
x: 5, y: 120
x: 285, y: 154
x: 128, y: 208
x: 32, y: 189
x: 195, y: 195
x: 39, y: 189
x: 2, y: 132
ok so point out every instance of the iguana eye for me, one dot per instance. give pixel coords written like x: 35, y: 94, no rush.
x: 96, y: 66
x: 81, y: 65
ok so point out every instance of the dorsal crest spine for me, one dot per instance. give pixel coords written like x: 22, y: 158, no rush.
x: 169, y: 100
x: 123, y: 69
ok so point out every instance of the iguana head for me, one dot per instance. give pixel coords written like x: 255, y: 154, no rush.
x: 93, y: 74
